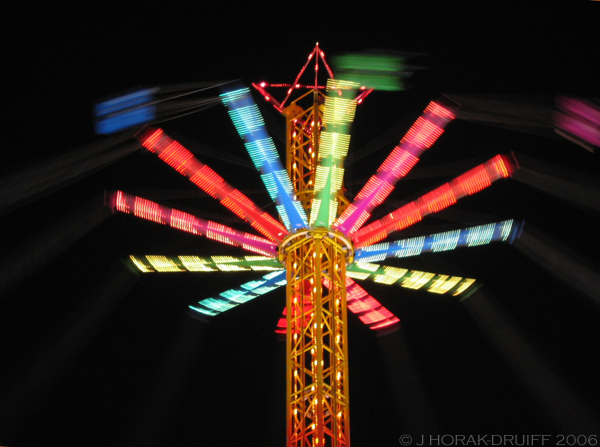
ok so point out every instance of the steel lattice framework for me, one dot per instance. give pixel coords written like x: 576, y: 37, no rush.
x: 317, y: 338
x: 302, y: 144
x: 319, y: 245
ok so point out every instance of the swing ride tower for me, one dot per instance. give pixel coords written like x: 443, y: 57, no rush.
x: 319, y: 245
x: 317, y: 401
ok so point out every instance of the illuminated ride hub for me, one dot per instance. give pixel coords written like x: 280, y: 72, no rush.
x: 319, y: 246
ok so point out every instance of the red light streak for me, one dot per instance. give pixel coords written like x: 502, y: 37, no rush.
x: 177, y: 156
x: 207, y: 180
x: 151, y: 139
x: 422, y: 134
x: 399, y: 162
x: 436, y: 109
x: 184, y: 162
x: 437, y: 200
x: 440, y: 198
x: 120, y: 201
x: 473, y: 182
x: 500, y: 164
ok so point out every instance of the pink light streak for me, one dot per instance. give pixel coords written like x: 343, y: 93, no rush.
x: 180, y: 220
x: 370, y: 311
x: 423, y: 133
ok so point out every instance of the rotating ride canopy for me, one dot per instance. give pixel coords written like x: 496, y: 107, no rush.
x: 321, y: 243
x: 320, y: 246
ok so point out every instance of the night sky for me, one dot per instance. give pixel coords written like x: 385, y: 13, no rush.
x: 92, y: 354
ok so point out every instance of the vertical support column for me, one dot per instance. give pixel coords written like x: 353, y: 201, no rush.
x: 302, y: 146
x: 317, y: 340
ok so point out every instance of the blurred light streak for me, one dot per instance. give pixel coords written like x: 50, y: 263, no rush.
x: 281, y: 327
x: 470, y: 182
x: 234, y: 297
x: 42, y: 373
x: 169, y: 386
x: 527, y: 114
x: 411, y: 279
x: 151, y: 105
x: 560, y: 261
x: 206, y: 150
x: 410, y: 396
x: 428, y: 128
x: 505, y: 231
x: 369, y: 311
x: 574, y: 187
x: 184, y: 162
x: 146, y: 209
x: 578, y: 121
x: 563, y: 406
x: 125, y: 111
x: 249, y: 123
x: 150, y: 263
x: 373, y: 70
x: 338, y: 116
x: 380, y: 142
x: 33, y: 183
x: 50, y: 243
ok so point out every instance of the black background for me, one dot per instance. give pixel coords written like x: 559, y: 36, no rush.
x: 140, y: 370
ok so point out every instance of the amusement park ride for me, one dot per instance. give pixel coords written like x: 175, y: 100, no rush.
x: 321, y: 244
